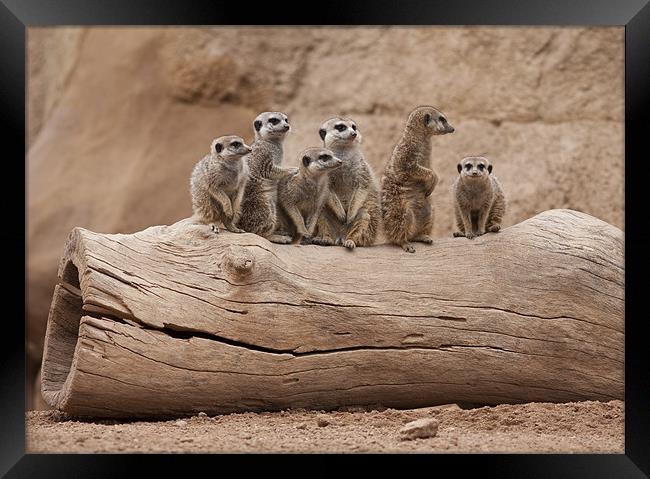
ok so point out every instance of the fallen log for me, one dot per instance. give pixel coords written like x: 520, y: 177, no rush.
x: 174, y: 320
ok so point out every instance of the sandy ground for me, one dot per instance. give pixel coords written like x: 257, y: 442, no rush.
x: 581, y: 427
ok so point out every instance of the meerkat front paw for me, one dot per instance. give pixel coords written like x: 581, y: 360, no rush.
x: 458, y: 234
x: 214, y: 228
x: 234, y: 229
x: 494, y: 228
x: 280, y: 239
x: 349, y: 244
x: 470, y: 235
x: 408, y: 248
x: 426, y: 239
x: 323, y: 241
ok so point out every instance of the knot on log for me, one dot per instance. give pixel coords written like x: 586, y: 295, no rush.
x: 141, y: 326
x: 238, y: 261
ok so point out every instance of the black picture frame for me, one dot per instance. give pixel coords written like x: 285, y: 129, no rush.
x: 17, y: 15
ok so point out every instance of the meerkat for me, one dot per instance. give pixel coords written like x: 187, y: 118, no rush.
x: 218, y: 181
x: 479, y: 202
x: 408, y: 180
x: 301, y: 197
x: 352, y: 214
x: 259, y: 205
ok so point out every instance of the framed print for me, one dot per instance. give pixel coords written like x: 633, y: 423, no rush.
x: 387, y: 228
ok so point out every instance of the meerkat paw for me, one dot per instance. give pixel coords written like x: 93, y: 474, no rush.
x: 426, y: 239
x: 233, y: 229
x: 349, y: 244
x: 458, y: 234
x: 408, y: 248
x: 280, y: 239
x: 470, y: 235
x: 322, y: 241
x: 214, y: 228
x: 494, y: 228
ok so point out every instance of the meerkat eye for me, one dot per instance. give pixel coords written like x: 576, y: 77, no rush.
x: 324, y: 157
x: 468, y: 166
x: 236, y: 144
x: 274, y: 121
x: 354, y: 127
x: 442, y: 119
x: 481, y: 166
x: 340, y: 127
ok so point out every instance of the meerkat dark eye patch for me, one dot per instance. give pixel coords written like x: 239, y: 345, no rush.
x: 306, y: 160
x: 322, y: 133
x: 354, y: 127
x: 442, y: 119
x: 218, y: 147
x: 427, y: 119
x: 468, y: 166
x: 489, y: 168
x: 481, y: 166
x: 274, y: 121
x: 340, y: 127
x: 257, y: 125
x: 236, y: 144
x: 324, y: 157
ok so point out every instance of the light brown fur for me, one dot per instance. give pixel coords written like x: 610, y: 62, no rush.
x: 479, y: 201
x: 259, y: 205
x: 218, y: 181
x: 301, y: 197
x: 352, y: 215
x: 408, y: 180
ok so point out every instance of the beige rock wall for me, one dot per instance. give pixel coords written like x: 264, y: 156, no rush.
x: 119, y: 116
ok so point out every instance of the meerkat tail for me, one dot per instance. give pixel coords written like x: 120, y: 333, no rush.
x: 398, y: 224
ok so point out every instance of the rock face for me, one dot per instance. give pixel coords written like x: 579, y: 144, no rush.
x: 118, y: 117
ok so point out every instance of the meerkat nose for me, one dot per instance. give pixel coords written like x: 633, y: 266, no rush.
x: 451, y: 129
x: 286, y: 127
x: 353, y: 134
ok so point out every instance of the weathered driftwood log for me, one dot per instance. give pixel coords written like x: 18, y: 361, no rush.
x: 174, y: 320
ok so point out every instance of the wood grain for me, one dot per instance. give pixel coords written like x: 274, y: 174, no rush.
x: 174, y: 320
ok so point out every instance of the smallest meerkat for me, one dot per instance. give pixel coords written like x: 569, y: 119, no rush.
x: 479, y: 202
x: 217, y: 183
x: 301, y: 197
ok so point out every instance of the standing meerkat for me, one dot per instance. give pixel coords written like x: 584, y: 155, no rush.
x: 408, y: 180
x: 259, y: 205
x: 479, y: 202
x: 301, y: 197
x: 352, y: 214
x: 217, y: 183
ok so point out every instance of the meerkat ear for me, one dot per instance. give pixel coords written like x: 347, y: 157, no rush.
x: 322, y: 132
x: 460, y: 167
x: 490, y: 169
x: 218, y: 147
x: 306, y: 160
x: 427, y: 119
x: 257, y: 125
